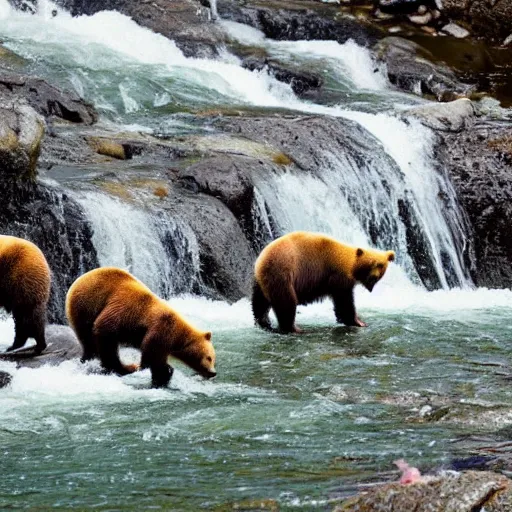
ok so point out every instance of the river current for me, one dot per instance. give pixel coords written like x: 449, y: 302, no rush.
x: 290, y: 421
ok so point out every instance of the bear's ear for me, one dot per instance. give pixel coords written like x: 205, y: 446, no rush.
x: 208, y: 335
x: 391, y: 255
x: 359, y: 252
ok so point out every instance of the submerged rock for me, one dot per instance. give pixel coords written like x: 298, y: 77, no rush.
x: 62, y: 343
x: 410, y: 69
x: 447, y: 492
x: 453, y: 116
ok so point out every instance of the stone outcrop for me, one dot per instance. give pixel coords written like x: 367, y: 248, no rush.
x: 21, y: 133
x: 47, y: 100
x: 448, y: 492
x: 479, y: 163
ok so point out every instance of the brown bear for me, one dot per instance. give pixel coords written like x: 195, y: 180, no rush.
x: 25, y: 281
x: 107, y: 307
x: 302, y: 267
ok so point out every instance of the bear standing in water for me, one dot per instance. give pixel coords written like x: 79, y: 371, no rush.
x: 25, y: 281
x: 107, y: 307
x: 302, y: 267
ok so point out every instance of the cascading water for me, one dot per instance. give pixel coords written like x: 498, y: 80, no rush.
x: 367, y: 203
x: 157, y: 248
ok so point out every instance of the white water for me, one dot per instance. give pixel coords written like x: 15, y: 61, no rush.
x: 34, y: 389
x: 115, y: 224
x: 343, y: 200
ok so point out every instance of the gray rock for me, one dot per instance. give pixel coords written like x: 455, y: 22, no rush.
x: 453, y: 116
x: 479, y: 162
x: 21, y: 133
x: 62, y: 346
x: 490, y: 20
x: 286, y: 21
x: 455, y: 30
x: 409, y: 68
x: 448, y: 492
x: 46, y: 99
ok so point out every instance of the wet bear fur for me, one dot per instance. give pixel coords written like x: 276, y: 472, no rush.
x: 108, y: 307
x: 25, y: 281
x: 301, y: 268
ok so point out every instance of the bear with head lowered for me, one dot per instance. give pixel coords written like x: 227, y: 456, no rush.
x: 25, y: 281
x: 107, y: 307
x: 301, y: 268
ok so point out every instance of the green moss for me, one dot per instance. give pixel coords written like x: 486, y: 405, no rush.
x: 281, y: 159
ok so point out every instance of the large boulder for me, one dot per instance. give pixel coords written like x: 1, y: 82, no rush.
x: 21, y: 133
x: 479, y: 162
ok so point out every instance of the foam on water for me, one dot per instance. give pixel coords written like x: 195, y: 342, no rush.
x: 348, y: 61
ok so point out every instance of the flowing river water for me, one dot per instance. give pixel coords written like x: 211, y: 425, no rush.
x: 292, y: 421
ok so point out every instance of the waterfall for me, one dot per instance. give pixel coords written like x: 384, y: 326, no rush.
x: 155, y: 247
x: 381, y: 189
x: 383, y: 192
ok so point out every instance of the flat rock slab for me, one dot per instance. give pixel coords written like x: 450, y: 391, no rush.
x: 62, y: 346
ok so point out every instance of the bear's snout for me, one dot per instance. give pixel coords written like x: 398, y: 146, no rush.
x: 209, y: 374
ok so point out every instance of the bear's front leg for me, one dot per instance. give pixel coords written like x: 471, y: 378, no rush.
x: 345, y: 309
x: 161, y: 375
x: 154, y: 357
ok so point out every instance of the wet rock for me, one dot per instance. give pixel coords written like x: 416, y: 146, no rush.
x: 455, y: 30
x: 490, y: 20
x: 47, y: 216
x: 450, y: 491
x: 283, y: 22
x: 453, y: 116
x: 301, y: 81
x: 5, y: 379
x: 410, y: 69
x: 21, y: 132
x: 46, y: 99
x: 186, y: 22
x: 63, y: 345
x: 226, y: 257
x: 479, y: 163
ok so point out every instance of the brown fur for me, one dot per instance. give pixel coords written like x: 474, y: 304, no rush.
x: 302, y: 267
x: 25, y: 281
x: 107, y: 307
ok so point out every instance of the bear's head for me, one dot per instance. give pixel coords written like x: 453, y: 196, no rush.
x: 198, y: 353
x: 371, y: 265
